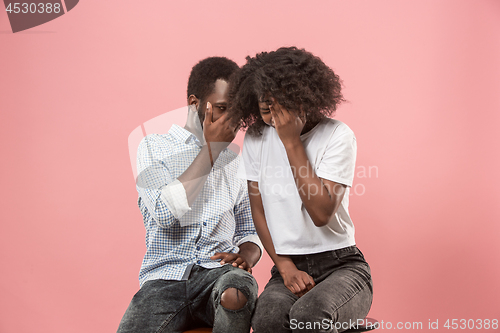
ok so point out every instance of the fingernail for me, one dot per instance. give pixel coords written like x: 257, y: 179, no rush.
x: 208, y: 104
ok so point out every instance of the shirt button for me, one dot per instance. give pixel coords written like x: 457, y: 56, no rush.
x: 198, y: 262
x: 205, y: 223
x: 198, y: 248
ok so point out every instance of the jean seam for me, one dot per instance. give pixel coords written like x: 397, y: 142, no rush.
x: 168, y: 320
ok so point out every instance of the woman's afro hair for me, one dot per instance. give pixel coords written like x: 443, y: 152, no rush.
x: 295, y: 78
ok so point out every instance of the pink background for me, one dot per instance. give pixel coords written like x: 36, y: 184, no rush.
x: 423, y: 83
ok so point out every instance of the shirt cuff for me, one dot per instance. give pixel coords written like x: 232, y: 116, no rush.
x: 254, y: 239
x: 174, y: 196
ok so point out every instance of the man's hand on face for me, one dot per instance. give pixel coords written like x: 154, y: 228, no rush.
x: 234, y: 259
x: 222, y: 130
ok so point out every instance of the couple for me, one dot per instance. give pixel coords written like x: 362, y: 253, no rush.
x: 200, y: 205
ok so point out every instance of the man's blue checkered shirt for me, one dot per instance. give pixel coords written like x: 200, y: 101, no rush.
x: 221, y: 211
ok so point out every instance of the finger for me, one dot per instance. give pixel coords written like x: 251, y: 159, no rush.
x: 301, y: 285
x: 303, y: 115
x: 219, y: 255
x: 238, y: 261
x: 224, y: 256
x: 275, y: 119
x: 242, y: 265
x: 276, y: 106
x: 280, y: 110
x: 297, y: 291
x: 279, y: 115
x: 311, y: 282
x: 223, y: 119
x: 229, y: 258
x: 208, y: 115
x: 238, y: 126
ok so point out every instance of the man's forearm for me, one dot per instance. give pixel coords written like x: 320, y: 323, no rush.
x: 250, y: 252
x: 197, y: 173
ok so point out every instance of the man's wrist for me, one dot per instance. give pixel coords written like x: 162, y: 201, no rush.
x: 250, y: 252
x: 215, y: 149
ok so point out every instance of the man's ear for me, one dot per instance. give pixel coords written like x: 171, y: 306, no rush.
x: 192, y: 99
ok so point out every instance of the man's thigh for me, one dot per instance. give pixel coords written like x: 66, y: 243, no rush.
x: 217, y: 281
x: 157, y: 305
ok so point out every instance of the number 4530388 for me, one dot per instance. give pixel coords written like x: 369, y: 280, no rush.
x: 471, y: 324
x: 32, y: 8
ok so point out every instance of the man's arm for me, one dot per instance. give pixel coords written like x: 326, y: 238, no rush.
x: 246, y: 258
x: 245, y: 236
x: 218, y: 135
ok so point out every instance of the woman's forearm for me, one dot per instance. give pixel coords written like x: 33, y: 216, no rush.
x: 321, y: 197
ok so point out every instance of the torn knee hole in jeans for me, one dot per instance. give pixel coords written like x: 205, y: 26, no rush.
x: 233, y: 299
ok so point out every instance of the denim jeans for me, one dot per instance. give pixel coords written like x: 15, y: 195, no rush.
x: 343, y: 293
x: 175, y: 306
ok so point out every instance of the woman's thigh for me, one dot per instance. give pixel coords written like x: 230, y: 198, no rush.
x: 273, y: 306
x: 337, y: 302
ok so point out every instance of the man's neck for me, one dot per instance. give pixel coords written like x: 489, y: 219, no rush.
x: 193, y: 124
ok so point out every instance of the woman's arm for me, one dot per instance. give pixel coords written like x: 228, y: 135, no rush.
x: 321, y: 197
x: 298, y: 282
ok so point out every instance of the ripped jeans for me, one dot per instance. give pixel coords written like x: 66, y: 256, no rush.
x: 342, y: 295
x: 176, y: 306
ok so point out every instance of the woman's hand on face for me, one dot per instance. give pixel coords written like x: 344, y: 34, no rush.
x: 287, y: 124
x: 298, y: 282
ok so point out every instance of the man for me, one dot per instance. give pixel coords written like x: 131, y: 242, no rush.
x: 201, y: 242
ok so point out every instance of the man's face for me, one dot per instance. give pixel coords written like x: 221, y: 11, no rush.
x: 218, y: 99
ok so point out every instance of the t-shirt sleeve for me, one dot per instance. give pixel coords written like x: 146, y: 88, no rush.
x: 250, y: 168
x: 339, y: 159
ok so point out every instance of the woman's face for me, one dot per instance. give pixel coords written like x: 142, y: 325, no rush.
x: 265, y: 112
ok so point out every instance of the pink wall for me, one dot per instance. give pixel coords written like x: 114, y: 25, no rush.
x: 423, y: 83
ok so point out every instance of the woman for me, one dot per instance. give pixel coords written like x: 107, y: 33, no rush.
x: 299, y: 164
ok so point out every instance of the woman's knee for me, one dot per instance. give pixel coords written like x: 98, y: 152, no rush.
x: 272, y: 311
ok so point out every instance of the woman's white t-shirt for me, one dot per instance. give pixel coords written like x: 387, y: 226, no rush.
x: 331, y: 150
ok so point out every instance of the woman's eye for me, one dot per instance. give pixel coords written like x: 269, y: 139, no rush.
x: 222, y: 108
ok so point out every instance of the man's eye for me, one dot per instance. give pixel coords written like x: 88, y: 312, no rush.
x: 222, y: 108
